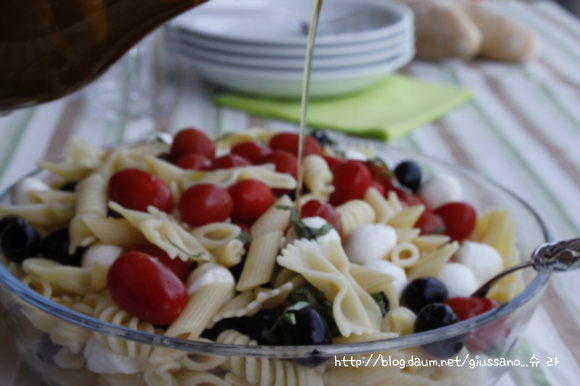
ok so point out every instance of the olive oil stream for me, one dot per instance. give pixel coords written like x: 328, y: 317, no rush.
x: 304, y: 100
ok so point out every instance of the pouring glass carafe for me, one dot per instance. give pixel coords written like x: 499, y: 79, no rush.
x: 51, y: 48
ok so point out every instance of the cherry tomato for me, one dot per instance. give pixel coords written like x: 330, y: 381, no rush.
x: 229, y: 161
x: 192, y: 141
x: 179, y: 267
x: 136, y: 189
x: 317, y: 208
x: 459, y: 219
x: 289, y: 142
x: 251, y: 198
x: 430, y: 223
x: 351, y: 181
x: 252, y: 151
x: 484, y: 337
x: 194, y: 161
x: 332, y: 162
x: 468, y: 307
x: 147, y: 289
x: 204, y: 204
x: 284, y: 161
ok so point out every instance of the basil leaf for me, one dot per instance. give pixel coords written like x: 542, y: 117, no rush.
x: 245, y: 238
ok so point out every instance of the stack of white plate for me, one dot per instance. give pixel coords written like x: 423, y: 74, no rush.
x: 258, y: 46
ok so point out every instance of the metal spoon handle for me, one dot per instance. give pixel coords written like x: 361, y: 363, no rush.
x: 484, y: 289
x: 561, y: 256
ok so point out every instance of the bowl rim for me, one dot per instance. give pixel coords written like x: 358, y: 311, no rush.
x: 533, y: 289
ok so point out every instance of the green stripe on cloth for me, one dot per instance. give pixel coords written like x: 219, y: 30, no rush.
x: 386, y: 111
x: 12, y: 136
x: 514, y: 151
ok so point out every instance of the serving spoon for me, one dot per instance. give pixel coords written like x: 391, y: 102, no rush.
x: 548, y: 258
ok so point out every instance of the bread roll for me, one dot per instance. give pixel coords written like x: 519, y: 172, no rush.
x: 504, y: 38
x: 443, y: 29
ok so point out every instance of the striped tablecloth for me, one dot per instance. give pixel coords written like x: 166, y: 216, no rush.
x: 523, y: 130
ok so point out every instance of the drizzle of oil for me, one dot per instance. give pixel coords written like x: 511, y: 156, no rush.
x: 304, y: 100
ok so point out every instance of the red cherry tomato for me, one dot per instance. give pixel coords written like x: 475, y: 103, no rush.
x: 192, y: 141
x: 229, y: 161
x: 332, y: 162
x: 351, y: 181
x: 289, y: 142
x: 136, y: 189
x: 459, y: 219
x: 484, y: 337
x: 317, y: 208
x: 147, y: 289
x: 284, y: 161
x: 252, y: 151
x: 430, y: 223
x: 194, y: 161
x: 179, y: 267
x: 251, y: 198
x: 204, y: 204
x: 468, y: 307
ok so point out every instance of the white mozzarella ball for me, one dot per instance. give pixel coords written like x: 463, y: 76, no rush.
x: 207, y: 274
x: 101, y: 360
x: 19, y: 194
x: 314, y: 223
x: 483, y: 259
x: 385, y: 266
x: 100, y: 253
x: 441, y: 189
x: 458, y: 279
x: 370, y: 242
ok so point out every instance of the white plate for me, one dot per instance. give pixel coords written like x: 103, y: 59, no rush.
x: 297, y: 62
x: 183, y: 35
x: 288, y: 84
x: 280, y: 22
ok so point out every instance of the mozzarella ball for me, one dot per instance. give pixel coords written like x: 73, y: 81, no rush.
x: 400, y: 276
x: 441, y: 189
x: 314, y: 223
x: 483, y: 259
x: 370, y: 242
x: 20, y: 192
x: 207, y: 274
x: 458, y: 279
x: 100, y: 253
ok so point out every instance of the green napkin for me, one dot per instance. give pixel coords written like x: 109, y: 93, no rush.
x: 386, y: 111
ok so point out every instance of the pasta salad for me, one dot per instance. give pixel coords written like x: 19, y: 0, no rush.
x: 203, y: 239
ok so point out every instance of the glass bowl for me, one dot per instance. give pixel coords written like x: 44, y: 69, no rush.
x: 51, y: 338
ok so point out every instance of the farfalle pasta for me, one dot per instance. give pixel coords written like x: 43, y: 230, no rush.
x: 246, y: 282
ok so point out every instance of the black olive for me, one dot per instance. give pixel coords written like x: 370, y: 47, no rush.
x: 68, y: 186
x: 422, y: 291
x: 437, y: 315
x: 55, y: 247
x: 304, y: 326
x: 238, y: 324
x: 260, y: 326
x: 322, y: 137
x: 409, y: 175
x: 18, y: 239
